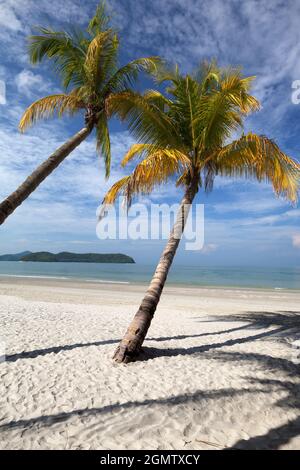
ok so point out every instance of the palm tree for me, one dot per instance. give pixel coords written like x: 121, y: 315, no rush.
x: 187, y: 133
x: 87, y: 62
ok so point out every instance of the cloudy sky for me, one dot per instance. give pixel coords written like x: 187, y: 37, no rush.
x: 244, y: 223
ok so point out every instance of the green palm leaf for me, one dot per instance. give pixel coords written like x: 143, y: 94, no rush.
x: 103, y: 142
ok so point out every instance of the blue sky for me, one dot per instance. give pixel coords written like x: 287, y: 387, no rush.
x: 244, y: 223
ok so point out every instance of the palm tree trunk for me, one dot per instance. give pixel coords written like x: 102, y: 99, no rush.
x: 131, y: 344
x: 40, y: 173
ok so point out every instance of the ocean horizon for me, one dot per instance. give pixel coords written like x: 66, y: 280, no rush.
x: 206, y: 276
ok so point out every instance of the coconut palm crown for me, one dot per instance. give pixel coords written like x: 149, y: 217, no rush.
x: 87, y: 63
x: 186, y: 132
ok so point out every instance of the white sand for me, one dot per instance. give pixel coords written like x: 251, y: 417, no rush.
x: 219, y: 369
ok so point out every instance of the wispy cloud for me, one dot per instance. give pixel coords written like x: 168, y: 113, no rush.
x: 256, y: 200
x: 2, y: 92
x: 8, y: 18
x: 29, y: 84
x: 288, y: 216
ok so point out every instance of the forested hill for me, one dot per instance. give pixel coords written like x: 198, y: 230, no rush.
x: 67, y: 257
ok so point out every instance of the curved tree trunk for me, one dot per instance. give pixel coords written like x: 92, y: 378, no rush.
x: 40, y: 173
x: 131, y: 344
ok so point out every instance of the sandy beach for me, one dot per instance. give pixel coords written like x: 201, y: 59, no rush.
x: 218, y: 369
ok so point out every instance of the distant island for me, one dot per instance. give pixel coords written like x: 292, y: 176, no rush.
x: 67, y: 257
x: 16, y: 257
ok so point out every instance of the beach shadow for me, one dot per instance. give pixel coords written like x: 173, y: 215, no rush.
x: 212, y: 333
x: 273, y: 439
x: 149, y: 353
x: 286, y: 323
x: 280, y: 435
x: 55, y: 350
x: 268, y: 363
x: 286, y: 320
x: 262, y: 319
x: 49, y: 420
x: 69, y: 347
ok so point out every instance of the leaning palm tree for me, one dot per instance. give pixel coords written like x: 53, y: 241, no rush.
x: 187, y: 133
x: 87, y: 62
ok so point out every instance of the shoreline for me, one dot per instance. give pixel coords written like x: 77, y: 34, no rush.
x: 8, y: 278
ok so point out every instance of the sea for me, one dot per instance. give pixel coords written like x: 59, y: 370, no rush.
x: 246, y: 277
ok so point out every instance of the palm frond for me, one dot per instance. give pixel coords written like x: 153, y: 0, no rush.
x: 120, y: 187
x: 220, y: 112
x: 236, y: 89
x: 46, y: 107
x: 147, y: 150
x: 216, y: 119
x: 147, y: 122
x: 126, y: 76
x: 112, y: 194
x: 108, y: 63
x: 184, y: 110
x: 136, y: 150
x: 192, y: 91
x: 100, y: 20
x: 208, y: 76
x: 256, y: 156
x: 182, y: 180
x: 156, y: 98
x: 167, y: 73
x: 96, y: 51
x: 67, y: 50
x: 153, y: 171
x: 103, y: 142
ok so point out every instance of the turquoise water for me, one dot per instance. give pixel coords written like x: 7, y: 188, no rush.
x: 273, y: 278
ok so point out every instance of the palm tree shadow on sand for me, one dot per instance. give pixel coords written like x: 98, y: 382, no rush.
x: 282, y: 325
x: 280, y: 435
x: 286, y: 328
x: 284, y: 322
x: 49, y: 420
